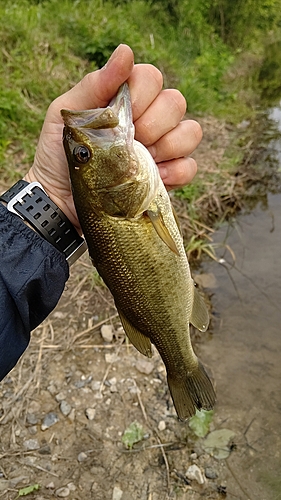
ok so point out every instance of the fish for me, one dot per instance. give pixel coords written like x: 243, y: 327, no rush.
x: 135, y: 243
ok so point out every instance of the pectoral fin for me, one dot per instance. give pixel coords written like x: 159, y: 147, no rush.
x: 163, y: 232
x: 199, y: 316
x: 138, y: 339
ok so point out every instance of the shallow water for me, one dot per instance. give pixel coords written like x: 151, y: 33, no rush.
x: 244, y: 352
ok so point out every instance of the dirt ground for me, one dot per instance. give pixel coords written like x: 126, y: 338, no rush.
x: 66, y: 405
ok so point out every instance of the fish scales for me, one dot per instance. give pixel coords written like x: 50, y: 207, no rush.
x: 136, y: 246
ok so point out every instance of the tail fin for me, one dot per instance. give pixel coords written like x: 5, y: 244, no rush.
x: 191, y: 392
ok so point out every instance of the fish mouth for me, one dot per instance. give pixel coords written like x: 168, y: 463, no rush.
x: 118, y: 112
x: 92, y: 119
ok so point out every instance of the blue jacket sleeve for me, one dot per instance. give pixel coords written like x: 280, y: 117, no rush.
x: 32, y: 278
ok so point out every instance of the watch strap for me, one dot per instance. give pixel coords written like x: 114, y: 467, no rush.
x: 30, y: 202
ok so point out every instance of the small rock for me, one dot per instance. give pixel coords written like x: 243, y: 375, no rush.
x: 17, y: 480
x: 60, y: 396
x: 107, y: 333
x: 32, y: 430
x: 162, y: 425
x: 52, y: 389
x: 50, y: 486
x: 31, y: 419
x: 80, y: 383
x: 71, y: 487
x: 193, y: 472
x: 111, y: 357
x: 206, y: 280
x: 45, y: 450
x: 144, y: 366
x: 65, y: 408
x: 95, y: 385
x: 210, y: 473
x: 34, y: 407
x: 113, y: 381
x: 71, y: 415
x: 90, y: 413
x: 49, y: 420
x: 60, y: 314
x: 62, y: 492
x: 117, y: 493
x: 31, y: 444
x: 193, y: 456
x: 82, y: 457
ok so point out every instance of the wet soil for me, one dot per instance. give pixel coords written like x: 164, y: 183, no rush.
x: 66, y: 405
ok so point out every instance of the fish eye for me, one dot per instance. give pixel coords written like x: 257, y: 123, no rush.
x: 82, y: 154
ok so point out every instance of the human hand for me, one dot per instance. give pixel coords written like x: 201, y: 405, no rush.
x: 157, y: 116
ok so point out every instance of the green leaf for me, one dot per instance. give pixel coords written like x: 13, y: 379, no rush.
x: 200, y: 422
x: 133, y: 434
x: 28, y: 489
x: 217, y: 443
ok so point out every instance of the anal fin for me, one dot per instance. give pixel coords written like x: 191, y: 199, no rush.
x: 139, y: 340
x: 199, y: 315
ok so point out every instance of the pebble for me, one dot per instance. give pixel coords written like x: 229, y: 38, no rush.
x: 95, y: 385
x: 52, y: 389
x: 17, y: 480
x: 31, y: 444
x: 107, y: 333
x: 206, y: 280
x: 193, y: 472
x: 31, y: 419
x: 50, y: 486
x: 144, y: 366
x: 32, y: 430
x: 49, y: 420
x: 90, y: 413
x: 60, y: 396
x: 117, y: 493
x: 63, y: 492
x: 65, y: 408
x: 162, y: 425
x: 71, y: 486
x: 82, y: 457
x: 45, y: 450
x: 210, y: 473
x: 111, y: 357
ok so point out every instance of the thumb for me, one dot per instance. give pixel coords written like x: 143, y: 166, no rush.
x: 96, y: 89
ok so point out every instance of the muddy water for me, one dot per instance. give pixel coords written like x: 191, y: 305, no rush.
x: 244, y: 352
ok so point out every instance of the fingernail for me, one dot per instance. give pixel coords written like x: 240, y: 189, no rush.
x: 152, y: 150
x: 163, y: 172
x: 112, y: 57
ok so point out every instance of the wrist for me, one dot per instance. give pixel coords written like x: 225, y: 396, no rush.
x: 31, y: 203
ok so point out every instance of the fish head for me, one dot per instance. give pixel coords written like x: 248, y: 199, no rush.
x: 99, y: 145
x: 107, y: 169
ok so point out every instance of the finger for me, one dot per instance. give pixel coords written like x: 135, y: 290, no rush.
x: 181, y: 141
x: 145, y: 84
x: 177, y: 173
x: 96, y: 89
x: 164, y: 114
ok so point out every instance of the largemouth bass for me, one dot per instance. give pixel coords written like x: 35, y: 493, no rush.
x: 136, y: 245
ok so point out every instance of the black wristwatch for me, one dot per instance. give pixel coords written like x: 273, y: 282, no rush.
x: 30, y: 202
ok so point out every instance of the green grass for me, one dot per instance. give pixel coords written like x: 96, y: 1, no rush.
x: 47, y: 46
